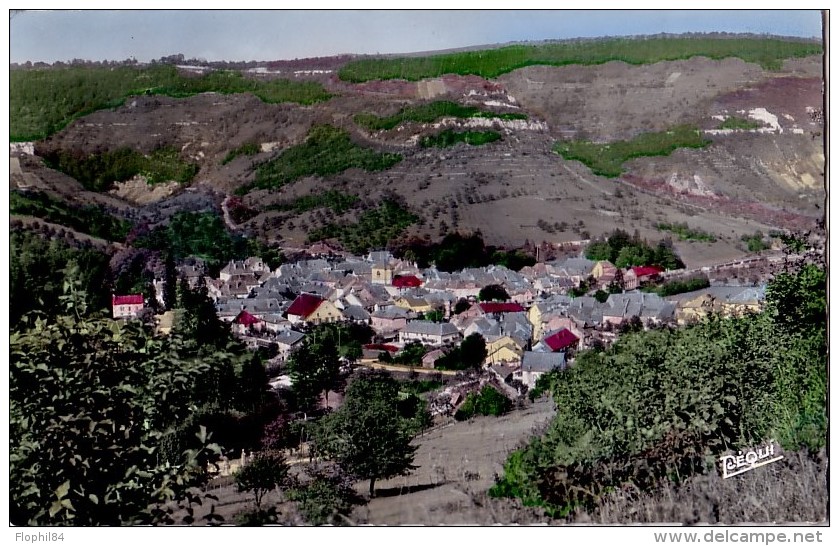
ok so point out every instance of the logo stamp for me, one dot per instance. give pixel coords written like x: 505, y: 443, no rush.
x: 732, y: 465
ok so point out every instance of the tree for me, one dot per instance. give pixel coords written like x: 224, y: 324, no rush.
x: 266, y: 472
x: 253, y: 385
x: 601, y: 296
x: 91, y: 402
x: 170, y: 282
x: 328, y: 497
x: 461, y: 306
x: 473, y: 351
x: 493, y: 292
x: 314, y: 368
x: 367, y: 436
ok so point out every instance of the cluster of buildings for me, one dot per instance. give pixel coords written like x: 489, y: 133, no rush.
x: 536, y: 330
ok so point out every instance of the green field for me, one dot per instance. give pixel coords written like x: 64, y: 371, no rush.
x: 327, y: 150
x: 44, y: 101
x: 491, y: 63
x: 97, y: 172
x: 608, y: 159
x: 449, y: 137
x: 427, y: 113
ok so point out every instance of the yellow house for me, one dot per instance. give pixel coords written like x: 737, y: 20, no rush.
x: 314, y: 309
x: 503, y: 349
x: 417, y: 305
x: 326, y: 312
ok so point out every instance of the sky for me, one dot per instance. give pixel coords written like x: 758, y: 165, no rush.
x: 62, y: 35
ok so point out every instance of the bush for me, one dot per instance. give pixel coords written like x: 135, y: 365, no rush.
x: 486, y: 402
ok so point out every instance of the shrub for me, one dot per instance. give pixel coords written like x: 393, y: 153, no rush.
x: 486, y: 402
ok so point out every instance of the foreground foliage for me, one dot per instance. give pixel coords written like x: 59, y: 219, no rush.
x: 91, y: 400
x: 608, y: 159
x: 491, y: 63
x: 664, y: 404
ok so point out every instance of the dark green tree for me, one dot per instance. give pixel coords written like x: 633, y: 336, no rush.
x: 253, y: 392
x: 170, y: 282
x: 461, y: 306
x: 314, y: 369
x: 367, y: 436
x: 473, y: 351
x: 493, y: 292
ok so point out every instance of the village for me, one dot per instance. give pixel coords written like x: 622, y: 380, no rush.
x: 530, y: 321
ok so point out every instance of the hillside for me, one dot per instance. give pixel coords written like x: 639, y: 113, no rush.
x: 765, y: 174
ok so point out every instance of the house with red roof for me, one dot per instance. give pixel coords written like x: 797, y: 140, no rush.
x: 127, y: 306
x: 638, y: 275
x: 245, y: 322
x: 314, y: 309
x: 495, y: 307
x: 406, y: 282
x: 560, y: 341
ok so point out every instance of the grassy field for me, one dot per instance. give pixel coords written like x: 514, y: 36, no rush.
x: 450, y: 138
x: 491, y: 63
x: 327, y: 150
x: 42, y: 102
x: 427, y: 113
x: 608, y: 159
